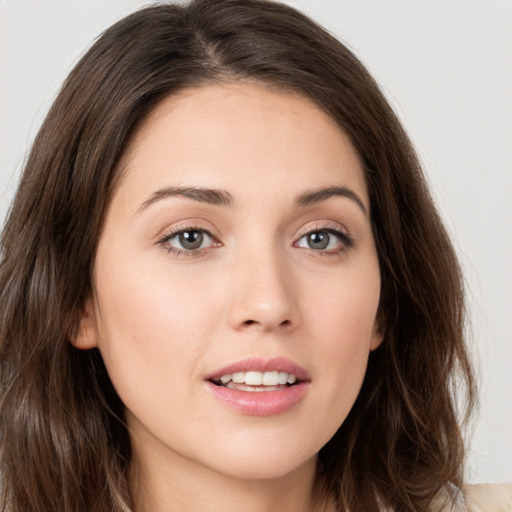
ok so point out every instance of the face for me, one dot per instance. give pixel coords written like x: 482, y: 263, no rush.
x: 236, y: 282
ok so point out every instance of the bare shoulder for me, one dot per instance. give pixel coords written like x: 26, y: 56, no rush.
x: 488, y: 497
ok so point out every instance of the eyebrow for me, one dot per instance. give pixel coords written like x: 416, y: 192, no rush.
x: 203, y: 195
x: 322, y: 194
x: 223, y: 198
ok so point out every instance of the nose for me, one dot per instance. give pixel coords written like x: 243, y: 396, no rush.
x: 264, y: 296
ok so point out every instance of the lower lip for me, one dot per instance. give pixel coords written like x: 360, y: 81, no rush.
x: 260, y: 403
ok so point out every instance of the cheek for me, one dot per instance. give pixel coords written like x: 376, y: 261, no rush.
x: 344, y: 307
x: 152, y: 326
x: 343, y: 321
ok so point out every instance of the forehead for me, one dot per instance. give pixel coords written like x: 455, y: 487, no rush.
x: 236, y: 136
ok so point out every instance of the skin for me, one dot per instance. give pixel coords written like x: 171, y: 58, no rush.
x: 164, y: 320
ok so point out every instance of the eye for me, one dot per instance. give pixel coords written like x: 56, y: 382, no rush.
x: 187, y: 240
x: 327, y: 240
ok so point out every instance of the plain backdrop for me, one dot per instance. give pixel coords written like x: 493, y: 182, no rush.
x: 446, y: 67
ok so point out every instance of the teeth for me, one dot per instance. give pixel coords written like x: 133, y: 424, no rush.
x: 282, y: 378
x: 259, y: 378
x: 254, y: 378
x: 270, y: 378
x: 238, y: 378
x: 245, y: 387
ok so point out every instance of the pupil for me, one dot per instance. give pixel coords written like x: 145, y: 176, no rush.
x: 318, y: 240
x: 191, y: 239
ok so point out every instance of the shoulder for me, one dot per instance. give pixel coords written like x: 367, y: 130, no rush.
x: 471, y: 498
x: 488, y: 497
x: 474, y: 498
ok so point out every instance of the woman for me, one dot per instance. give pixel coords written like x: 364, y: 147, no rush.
x: 224, y: 282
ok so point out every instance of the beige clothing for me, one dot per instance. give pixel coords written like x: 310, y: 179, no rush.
x: 488, y: 497
x: 476, y: 498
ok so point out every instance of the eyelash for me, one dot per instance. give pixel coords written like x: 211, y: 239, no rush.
x: 186, y: 253
x: 346, y: 241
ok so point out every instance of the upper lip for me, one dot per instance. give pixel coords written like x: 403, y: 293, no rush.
x: 257, y: 364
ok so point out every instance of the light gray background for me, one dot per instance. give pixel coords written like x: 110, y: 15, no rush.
x: 445, y: 65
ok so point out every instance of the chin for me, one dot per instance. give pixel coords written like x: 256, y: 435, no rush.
x: 265, y: 463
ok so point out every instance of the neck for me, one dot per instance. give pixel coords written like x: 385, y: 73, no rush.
x: 164, y: 483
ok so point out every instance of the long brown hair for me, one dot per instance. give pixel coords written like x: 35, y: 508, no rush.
x: 64, y: 445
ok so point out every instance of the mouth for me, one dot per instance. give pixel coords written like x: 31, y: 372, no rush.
x: 260, y: 387
x: 256, y: 381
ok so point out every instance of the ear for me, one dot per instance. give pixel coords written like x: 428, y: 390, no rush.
x: 378, y: 331
x: 86, y: 337
x: 376, y: 339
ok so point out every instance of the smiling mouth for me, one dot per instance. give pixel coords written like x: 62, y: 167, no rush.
x: 260, y: 387
x: 254, y: 381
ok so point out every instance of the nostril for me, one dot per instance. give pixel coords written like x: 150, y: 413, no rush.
x: 284, y: 323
